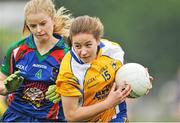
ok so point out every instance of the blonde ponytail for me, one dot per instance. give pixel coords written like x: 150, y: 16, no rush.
x: 62, y: 22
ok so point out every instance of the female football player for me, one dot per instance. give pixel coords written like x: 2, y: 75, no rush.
x: 31, y: 65
x: 87, y: 72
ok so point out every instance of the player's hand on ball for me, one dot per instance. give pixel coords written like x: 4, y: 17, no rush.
x: 13, y: 82
x: 51, y: 94
x: 137, y: 76
x: 118, y: 95
x: 151, y: 80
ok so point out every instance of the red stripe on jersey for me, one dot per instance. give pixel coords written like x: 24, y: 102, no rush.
x: 58, y: 55
x: 10, y: 98
x: 23, y: 50
x: 53, y: 111
x: 11, y: 64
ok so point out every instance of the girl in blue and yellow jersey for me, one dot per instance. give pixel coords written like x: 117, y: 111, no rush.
x: 87, y: 72
x: 31, y: 65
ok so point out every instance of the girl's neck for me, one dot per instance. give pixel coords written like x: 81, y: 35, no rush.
x: 44, y: 47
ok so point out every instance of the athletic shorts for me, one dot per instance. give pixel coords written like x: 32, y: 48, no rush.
x: 13, y: 116
x: 120, y: 120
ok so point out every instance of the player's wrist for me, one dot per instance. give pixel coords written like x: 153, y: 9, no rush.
x: 3, y: 90
x: 107, y: 104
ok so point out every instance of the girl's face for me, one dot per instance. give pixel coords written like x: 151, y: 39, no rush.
x: 85, y: 46
x: 41, y: 26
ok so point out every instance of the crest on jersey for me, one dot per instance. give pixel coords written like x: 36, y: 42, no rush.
x: 114, y: 64
x: 55, y: 71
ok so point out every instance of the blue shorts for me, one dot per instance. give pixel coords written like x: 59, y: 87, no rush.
x: 120, y: 120
x: 13, y: 116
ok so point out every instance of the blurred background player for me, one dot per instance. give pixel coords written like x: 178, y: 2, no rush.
x: 86, y: 77
x: 31, y: 65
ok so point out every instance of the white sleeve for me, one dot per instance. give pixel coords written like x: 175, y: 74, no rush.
x: 113, y: 50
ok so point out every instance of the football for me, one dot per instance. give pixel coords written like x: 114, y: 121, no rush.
x: 137, y: 76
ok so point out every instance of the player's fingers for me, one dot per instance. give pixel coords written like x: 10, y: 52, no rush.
x: 13, y: 77
x: 122, y: 85
x: 50, y: 95
x: 113, y: 87
x: 151, y: 78
x: 21, y: 79
x: 150, y: 84
x: 54, y: 97
x: 123, y: 100
x: 17, y: 72
x: 9, y: 79
x: 51, y: 89
x: 126, y: 91
x: 56, y: 100
x: 49, y: 92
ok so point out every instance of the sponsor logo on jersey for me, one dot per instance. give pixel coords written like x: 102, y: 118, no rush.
x: 21, y: 67
x: 40, y: 66
x: 103, y: 93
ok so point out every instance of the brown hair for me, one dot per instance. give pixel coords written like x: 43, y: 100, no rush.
x: 61, y: 19
x: 86, y: 24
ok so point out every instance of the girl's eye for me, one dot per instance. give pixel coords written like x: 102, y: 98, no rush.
x: 77, y: 46
x: 88, y: 45
x: 32, y: 25
x: 42, y: 24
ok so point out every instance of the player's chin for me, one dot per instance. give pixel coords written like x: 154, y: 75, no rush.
x: 43, y: 36
x: 86, y: 60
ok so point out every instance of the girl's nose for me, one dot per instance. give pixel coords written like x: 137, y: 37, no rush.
x: 83, y: 51
x: 38, y: 29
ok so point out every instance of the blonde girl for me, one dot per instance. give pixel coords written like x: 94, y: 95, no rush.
x: 31, y: 65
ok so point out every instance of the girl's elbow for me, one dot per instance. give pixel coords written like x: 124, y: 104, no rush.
x: 71, y: 117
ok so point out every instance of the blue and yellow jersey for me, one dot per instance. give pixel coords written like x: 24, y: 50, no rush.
x: 93, y: 81
x: 39, y: 72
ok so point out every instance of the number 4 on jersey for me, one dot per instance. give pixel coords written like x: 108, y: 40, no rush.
x: 39, y: 74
